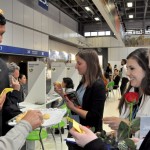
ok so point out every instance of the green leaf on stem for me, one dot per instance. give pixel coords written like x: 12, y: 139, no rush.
x: 123, y: 131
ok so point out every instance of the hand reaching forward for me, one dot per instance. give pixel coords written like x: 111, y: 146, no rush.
x: 83, y: 138
x: 113, y: 122
x: 34, y: 117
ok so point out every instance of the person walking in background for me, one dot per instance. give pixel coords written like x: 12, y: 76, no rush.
x: 108, y: 71
x: 124, y: 77
x: 116, y: 78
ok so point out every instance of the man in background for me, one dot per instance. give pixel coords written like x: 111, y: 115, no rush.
x: 125, y: 79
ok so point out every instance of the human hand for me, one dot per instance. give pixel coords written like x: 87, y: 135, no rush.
x: 83, y: 138
x: 58, y: 89
x: 69, y: 103
x: 34, y: 117
x: 113, y: 122
x: 15, y: 84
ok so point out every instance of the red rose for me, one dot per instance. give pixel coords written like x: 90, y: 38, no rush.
x: 131, y: 97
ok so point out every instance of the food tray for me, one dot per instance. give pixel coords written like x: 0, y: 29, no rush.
x: 56, y: 116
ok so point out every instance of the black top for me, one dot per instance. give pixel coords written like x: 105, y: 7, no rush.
x: 146, y: 143
x: 4, y: 79
x: 96, y: 144
x: 93, y: 101
x: 116, y: 81
x: 10, y: 108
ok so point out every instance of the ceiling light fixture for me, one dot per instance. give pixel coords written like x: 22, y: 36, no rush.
x: 130, y: 16
x: 96, y: 18
x: 129, y: 4
x: 87, y: 8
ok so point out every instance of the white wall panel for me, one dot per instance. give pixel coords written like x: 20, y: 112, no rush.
x: 50, y: 26
x: 113, y: 55
x: 106, y: 41
x: 37, y: 41
x: 37, y: 21
x: 17, y: 36
x: 54, y: 12
x: 68, y: 22
x: 54, y: 45
x: 6, y: 6
x: 28, y: 38
x: 45, y: 24
x: 45, y: 39
x: 28, y: 16
x: 7, y: 37
x: 116, y: 54
x: 18, y: 12
x: 55, y: 28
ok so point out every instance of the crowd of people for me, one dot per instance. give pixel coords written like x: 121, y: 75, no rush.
x: 91, y: 92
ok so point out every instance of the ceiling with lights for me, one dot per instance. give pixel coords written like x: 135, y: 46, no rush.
x: 133, y: 14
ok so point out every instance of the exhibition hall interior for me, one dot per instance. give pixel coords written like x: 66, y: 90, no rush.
x: 79, y: 63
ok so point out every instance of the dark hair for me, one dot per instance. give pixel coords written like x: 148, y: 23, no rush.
x: 116, y: 69
x: 20, y: 76
x: 141, y: 55
x: 93, y: 67
x: 2, y: 20
x: 124, y: 60
x: 68, y: 82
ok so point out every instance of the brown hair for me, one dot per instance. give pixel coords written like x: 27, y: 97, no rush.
x: 93, y: 67
x: 140, y: 55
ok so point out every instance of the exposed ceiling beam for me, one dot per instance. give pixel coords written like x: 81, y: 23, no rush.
x: 146, y: 6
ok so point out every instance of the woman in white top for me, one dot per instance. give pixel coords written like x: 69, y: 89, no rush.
x: 139, y: 73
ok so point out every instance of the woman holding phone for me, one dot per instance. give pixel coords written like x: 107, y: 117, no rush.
x: 90, y: 91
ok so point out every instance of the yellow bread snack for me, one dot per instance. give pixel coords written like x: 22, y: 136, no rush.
x: 20, y: 116
x: 6, y: 90
x: 58, y: 84
x: 75, y: 124
x: 46, y: 116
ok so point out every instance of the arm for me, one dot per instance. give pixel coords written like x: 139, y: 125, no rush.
x: 16, y: 137
x: 88, y: 140
x: 114, y: 122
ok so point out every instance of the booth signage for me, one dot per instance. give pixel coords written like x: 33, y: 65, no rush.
x: 22, y: 51
x: 43, y: 4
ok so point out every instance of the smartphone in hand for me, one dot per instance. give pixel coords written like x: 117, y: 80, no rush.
x: 73, y: 97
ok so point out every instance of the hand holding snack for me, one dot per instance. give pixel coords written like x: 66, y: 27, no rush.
x: 20, y: 116
x: 83, y: 138
x: 58, y: 88
x: 34, y: 117
x: 58, y: 84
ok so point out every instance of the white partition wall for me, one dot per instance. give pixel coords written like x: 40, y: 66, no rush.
x: 73, y: 74
x: 58, y: 72
x: 36, y: 82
